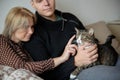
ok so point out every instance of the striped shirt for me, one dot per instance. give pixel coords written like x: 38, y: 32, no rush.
x: 12, y: 54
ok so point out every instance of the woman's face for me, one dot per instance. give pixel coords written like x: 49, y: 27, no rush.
x: 23, y: 33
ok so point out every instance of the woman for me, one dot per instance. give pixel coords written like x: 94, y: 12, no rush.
x: 19, y: 26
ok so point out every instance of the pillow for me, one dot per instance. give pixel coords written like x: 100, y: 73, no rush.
x: 101, y: 32
x: 5, y: 71
x: 9, y: 73
x: 115, y: 29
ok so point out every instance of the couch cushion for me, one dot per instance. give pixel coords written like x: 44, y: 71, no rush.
x: 101, y: 32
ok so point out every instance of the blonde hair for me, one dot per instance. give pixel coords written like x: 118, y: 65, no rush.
x: 17, y: 18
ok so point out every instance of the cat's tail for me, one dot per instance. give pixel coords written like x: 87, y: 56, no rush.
x: 109, y: 39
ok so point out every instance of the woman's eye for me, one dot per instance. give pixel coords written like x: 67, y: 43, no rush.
x: 39, y: 1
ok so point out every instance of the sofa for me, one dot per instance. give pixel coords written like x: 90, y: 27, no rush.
x: 101, y: 72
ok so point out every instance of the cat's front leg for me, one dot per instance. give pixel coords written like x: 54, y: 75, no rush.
x: 75, y: 73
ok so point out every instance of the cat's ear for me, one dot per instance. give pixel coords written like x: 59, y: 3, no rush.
x: 77, y: 31
x: 91, y: 31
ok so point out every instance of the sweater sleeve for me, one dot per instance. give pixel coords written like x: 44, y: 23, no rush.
x: 10, y: 58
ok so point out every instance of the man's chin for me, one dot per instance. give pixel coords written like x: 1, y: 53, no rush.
x: 48, y: 13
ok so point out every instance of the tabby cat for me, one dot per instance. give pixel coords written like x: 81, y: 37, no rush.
x: 107, y: 54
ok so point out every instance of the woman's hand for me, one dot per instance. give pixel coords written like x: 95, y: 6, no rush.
x: 70, y: 49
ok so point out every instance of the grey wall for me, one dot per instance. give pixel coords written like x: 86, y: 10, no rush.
x: 88, y: 11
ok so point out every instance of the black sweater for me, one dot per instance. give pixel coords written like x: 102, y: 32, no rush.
x: 49, y: 40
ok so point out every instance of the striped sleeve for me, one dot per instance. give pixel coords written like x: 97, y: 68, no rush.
x: 9, y: 57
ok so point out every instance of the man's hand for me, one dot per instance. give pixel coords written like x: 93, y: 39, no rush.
x: 86, y: 56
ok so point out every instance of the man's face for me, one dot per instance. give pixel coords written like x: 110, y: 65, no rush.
x: 45, y: 8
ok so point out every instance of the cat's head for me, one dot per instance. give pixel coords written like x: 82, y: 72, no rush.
x: 83, y: 36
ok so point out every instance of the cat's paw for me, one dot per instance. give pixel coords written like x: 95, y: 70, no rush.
x: 72, y: 76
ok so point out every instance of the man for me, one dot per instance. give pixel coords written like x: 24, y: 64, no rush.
x: 52, y: 32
